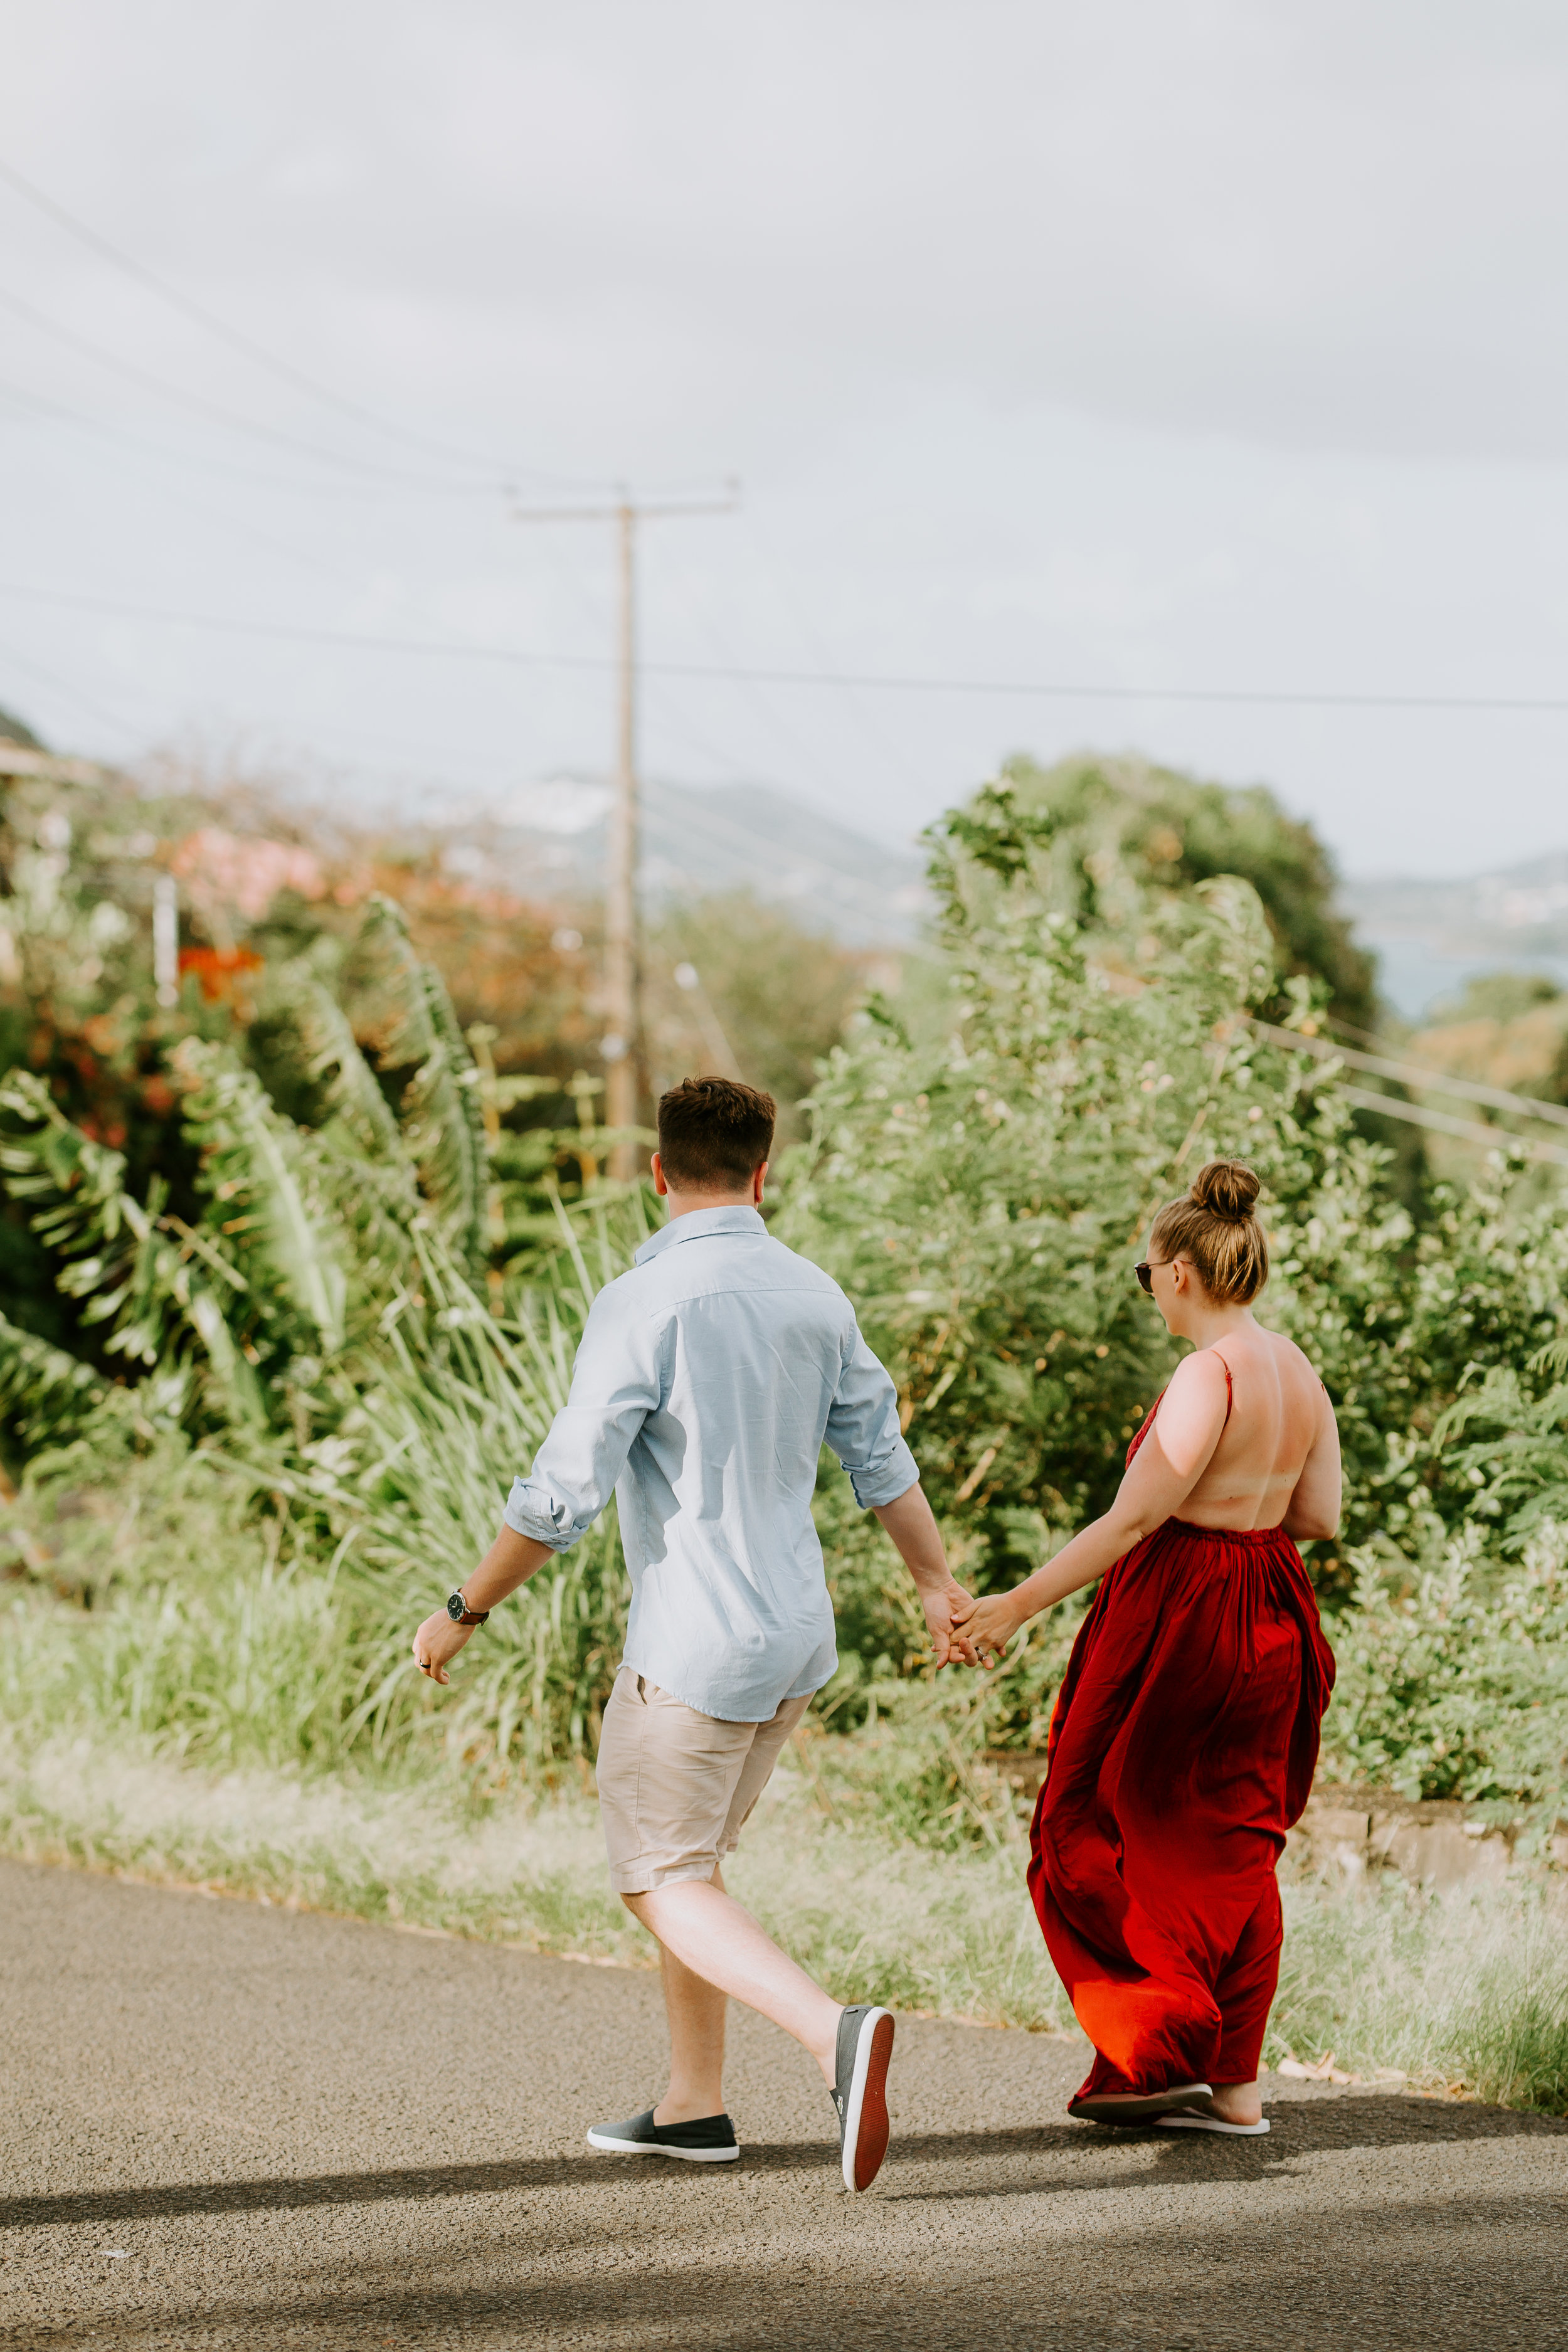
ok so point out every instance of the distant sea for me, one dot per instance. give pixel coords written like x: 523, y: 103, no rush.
x: 1414, y: 979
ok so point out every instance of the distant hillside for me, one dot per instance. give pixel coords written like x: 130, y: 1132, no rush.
x: 1431, y: 936
x: 17, y: 731
x: 694, y: 841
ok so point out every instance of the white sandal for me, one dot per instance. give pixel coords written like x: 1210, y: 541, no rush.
x: 1212, y: 2123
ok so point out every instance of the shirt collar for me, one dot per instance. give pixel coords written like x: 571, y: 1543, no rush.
x: 700, y: 1225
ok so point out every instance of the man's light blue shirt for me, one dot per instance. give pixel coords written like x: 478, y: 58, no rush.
x: 709, y: 1377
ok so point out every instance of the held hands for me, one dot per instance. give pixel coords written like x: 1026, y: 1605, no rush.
x: 943, y: 1605
x: 985, y: 1627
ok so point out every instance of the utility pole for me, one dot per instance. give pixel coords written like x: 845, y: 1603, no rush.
x: 623, y: 1043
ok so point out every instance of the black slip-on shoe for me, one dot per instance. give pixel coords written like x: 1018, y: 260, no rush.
x: 860, y: 2091
x: 709, y: 2140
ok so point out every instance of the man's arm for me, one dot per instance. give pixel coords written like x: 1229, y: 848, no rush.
x: 614, y: 1385
x: 911, y: 1523
x: 863, y: 1431
x: 510, y: 1560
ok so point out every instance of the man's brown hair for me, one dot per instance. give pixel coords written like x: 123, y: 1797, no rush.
x: 714, y: 1134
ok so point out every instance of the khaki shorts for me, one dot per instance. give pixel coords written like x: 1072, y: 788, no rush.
x: 677, y: 1788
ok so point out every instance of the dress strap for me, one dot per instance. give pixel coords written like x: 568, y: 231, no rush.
x: 1229, y: 1391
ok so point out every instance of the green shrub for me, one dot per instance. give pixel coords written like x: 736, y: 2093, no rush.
x: 1453, y: 1674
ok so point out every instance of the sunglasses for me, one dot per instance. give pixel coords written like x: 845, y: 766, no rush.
x: 1145, y: 1273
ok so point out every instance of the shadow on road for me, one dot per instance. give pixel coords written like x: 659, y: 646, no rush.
x: 1248, y: 2286
x: 1301, y: 2127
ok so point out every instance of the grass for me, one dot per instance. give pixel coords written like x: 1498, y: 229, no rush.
x: 1459, y: 1994
x: 198, y: 1701
x: 1466, y: 1993
x: 877, y: 1921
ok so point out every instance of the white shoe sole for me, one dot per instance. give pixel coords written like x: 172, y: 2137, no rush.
x: 656, y: 2147
x: 1212, y: 2123
x: 866, y: 2107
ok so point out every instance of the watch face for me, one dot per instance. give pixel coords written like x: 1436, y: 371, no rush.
x: 455, y: 1609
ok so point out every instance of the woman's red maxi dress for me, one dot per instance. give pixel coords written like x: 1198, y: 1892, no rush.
x: 1182, y: 1749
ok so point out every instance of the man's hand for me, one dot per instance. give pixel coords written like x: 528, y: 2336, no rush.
x: 986, y: 1626
x: 907, y: 1519
x: 510, y: 1560
x: 942, y: 1603
x: 437, y: 1642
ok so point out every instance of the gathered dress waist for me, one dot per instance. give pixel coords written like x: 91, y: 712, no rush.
x: 1256, y: 1538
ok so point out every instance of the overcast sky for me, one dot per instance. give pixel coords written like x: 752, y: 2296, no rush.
x: 1166, y: 346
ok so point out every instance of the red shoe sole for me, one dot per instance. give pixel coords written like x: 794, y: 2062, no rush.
x: 872, y: 2145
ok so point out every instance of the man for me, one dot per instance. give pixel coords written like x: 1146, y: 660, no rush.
x: 707, y: 1379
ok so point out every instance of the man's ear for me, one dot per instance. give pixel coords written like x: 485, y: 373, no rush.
x: 661, y: 1181
x: 758, y: 1179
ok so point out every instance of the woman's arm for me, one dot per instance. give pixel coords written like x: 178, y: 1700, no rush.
x: 1313, y: 1512
x: 1157, y: 1481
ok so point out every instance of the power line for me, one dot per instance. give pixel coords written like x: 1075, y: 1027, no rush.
x: 1470, y: 1130
x: 69, y: 689
x: 49, y: 407
x: 197, y: 402
x: 237, y: 340
x: 1421, y: 1076
x: 881, y: 681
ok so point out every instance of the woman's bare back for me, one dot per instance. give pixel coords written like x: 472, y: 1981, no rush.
x: 1278, y: 1459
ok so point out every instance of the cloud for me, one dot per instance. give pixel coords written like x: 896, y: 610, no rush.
x: 1335, y: 228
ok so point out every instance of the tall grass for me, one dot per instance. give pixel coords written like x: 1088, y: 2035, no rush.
x: 452, y: 1402
x: 1469, y: 1990
x: 196, y: 1690
x: 1460, y: 1993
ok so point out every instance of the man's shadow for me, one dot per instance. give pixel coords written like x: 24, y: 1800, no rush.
x: 1035, y: 2159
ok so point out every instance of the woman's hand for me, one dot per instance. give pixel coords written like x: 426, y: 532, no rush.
x: 989, y: 1625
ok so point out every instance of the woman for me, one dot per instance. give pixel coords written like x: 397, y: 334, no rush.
x: 1186, y: 1731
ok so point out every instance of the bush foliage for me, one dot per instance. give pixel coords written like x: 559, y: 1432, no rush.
x: 305, y: 1316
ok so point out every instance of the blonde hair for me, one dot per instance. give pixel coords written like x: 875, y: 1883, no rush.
x: 1215, y: 1227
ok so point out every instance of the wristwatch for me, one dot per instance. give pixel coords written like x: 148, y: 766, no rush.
x: 458, y: 1611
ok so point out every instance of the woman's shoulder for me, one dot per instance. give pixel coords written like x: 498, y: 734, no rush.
x: 1289, y: 1357
x: 1205, y: 1369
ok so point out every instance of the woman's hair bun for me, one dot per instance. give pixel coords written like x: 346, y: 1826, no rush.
x: 1226, y: 1188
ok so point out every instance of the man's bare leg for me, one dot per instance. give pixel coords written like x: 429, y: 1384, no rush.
x: 696, y: 2010
x: 717, y: 1945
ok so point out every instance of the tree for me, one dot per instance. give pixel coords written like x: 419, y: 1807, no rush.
x: 1170, y: 830
x: 729, y: 972
x: 982, y: 1192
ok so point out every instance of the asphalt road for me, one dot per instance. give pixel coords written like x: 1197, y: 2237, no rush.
x: 234, y: 2126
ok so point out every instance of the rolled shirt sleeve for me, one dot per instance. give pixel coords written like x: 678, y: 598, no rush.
x: 616, y: 1382
x: 863, y: 1429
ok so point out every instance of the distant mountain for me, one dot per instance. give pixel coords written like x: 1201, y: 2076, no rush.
x: 17, y: 731
x: 1431, y: 936
x: 726, y: 837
